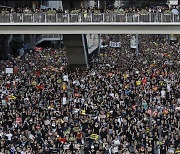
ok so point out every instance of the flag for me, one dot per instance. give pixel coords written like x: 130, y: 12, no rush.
x: 38, y: 49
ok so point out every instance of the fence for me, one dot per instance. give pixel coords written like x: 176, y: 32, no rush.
x: 87, y: 17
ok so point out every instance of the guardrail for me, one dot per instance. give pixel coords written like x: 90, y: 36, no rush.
x: 89, y: 17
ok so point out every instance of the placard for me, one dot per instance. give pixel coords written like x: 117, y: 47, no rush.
x: 38, y: 49
x: 173, y: 2
x: 9, y: 70
x: 115, y: 44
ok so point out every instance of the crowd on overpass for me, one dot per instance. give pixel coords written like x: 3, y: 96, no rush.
x: 85, y: 17
x: 39, y: 15
x: 96, y: 10
x: 123, y: 103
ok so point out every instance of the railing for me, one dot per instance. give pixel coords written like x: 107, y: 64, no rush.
x: 89, y: 17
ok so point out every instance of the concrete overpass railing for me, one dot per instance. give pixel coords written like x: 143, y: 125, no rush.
x: 88, y: 18
x: 90, y: 28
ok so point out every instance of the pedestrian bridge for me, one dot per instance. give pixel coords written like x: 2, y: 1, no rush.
x: 91, y: 28
x: 89, y: 23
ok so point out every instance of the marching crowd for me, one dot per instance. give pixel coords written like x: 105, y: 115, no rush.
x: 122, y: 104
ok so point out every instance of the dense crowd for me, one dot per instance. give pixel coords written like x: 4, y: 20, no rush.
x: 122, y: 104
x: 95, y: 10
x: 91, y: 14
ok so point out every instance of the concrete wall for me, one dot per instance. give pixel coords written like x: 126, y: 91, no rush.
x: 76, y: 51
x: 69, y: 4
x: 90, y: 28
x: 4, y: 46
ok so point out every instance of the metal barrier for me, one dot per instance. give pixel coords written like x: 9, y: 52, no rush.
x: 5, y: 18
x: 87, y: 17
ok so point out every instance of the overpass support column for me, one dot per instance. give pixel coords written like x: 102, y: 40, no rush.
x: 85, y: 45
x: 77, y: 50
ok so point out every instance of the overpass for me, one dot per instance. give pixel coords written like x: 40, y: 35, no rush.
x: 89, y: 23
x: 75, y: 26
x: 91, y: 28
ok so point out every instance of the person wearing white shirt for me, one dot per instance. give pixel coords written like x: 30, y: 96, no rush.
x: 168, y: 87
x: 115, y: 148
x: 65, y: 78
x: 64, y: 100
x: 116, y: 141
x: 163, y: 93
x: 1, y: 133
x: 175, y: 11
x: 9, y: 135
x: 23, y: 151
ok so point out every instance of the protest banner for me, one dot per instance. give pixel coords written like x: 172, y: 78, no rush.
x: 38, y: 49
x: 9, y: 70
x: 115, y: 44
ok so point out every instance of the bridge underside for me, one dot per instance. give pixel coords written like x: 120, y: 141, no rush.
x: 90, y: 28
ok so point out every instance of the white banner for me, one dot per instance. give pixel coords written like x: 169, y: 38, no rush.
x: 173, y: 2
x: 115, y: 44
x: 133, y: 43
x: 9, y: 70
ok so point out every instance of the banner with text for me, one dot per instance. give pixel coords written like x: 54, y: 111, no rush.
x: 115, y: 44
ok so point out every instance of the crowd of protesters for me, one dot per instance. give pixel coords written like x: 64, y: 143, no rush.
x: 122, y: 104
x: 93, y: 14
x: 26, y: 10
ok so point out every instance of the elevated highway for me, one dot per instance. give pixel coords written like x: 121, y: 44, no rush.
x: 91, y: 28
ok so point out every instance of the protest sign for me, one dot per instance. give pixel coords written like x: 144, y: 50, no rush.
x: 38, y: 49
x: 115, y: 44
x: 9, y: 70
